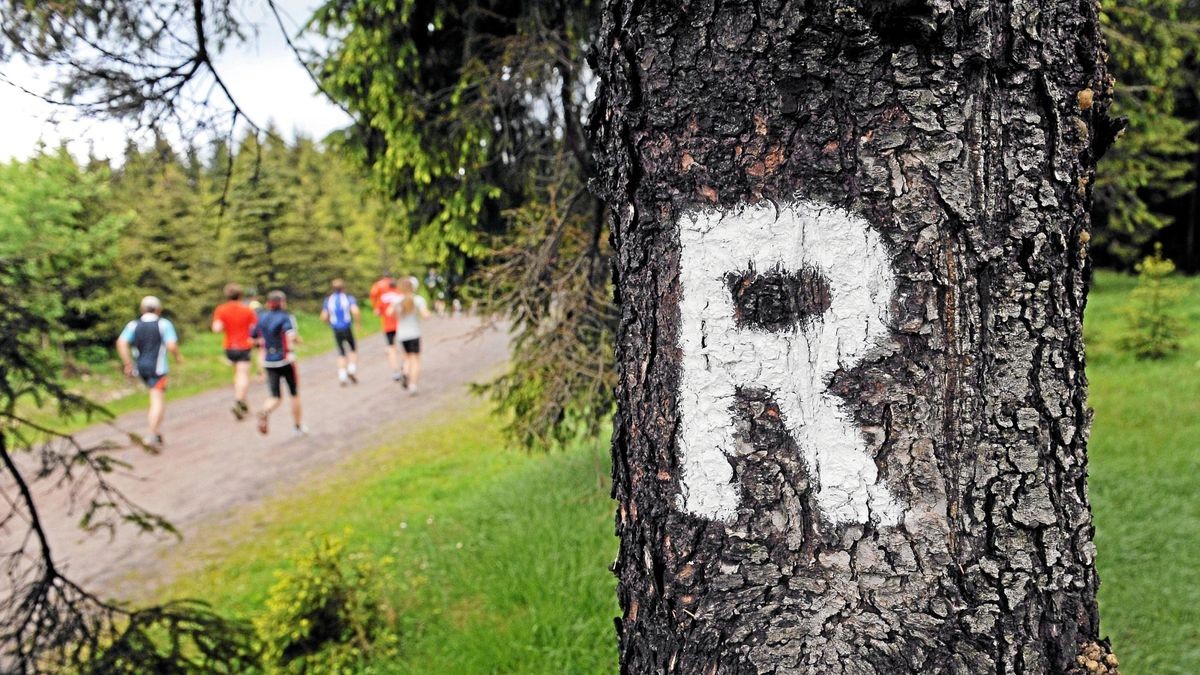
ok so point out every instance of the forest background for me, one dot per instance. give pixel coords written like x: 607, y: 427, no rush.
x: 469, y: 158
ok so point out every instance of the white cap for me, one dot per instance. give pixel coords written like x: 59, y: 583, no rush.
x: 415, y: 282
x: 151, y: 304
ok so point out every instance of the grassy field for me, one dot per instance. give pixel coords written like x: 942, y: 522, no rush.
x: 501, y: 558
x: 1145, y: 463
x: 204, y: 368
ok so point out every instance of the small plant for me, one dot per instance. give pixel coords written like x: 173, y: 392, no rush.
x: 325, y: 616
x: 1154, y: 332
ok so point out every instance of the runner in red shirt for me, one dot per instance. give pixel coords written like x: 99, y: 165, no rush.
x: 377, y: 290
x: 390, y: 321
x: 236, y: 320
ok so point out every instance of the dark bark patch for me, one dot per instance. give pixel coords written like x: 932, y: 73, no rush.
x: 778, y: 488
x: 777, y: 300
x: 902, y: 22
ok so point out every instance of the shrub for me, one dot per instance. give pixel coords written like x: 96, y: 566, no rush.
x: 325, y: 616
x: 181, y: 636
x: 1153, y: 331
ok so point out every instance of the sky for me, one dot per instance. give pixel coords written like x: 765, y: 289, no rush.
x: 264, y: 76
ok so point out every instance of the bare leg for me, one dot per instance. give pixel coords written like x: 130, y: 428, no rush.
x: 393, y: 359
x: 412, y: 367
x: 158, y: 408
x: 241, y: 379
x: 264, y: 415
x: 296, y: 410
x: 270, y: 405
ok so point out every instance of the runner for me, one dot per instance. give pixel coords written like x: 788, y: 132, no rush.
x: 255, y: 304
x: 437, y: 290
x: 378, y: 289
x: 236, y: 320
x: 409, y: 308
x: 340, y: 311
x: 143, y: 347
x: 276, y: 333
x: 389, y: 319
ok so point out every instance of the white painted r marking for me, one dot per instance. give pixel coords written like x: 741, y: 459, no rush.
x: 795, y: 364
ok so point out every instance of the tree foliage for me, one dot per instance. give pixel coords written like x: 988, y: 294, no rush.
x: 55, y: 222
x: 470, y: 115
x: 1154, y: 330
x: 49, y: 623
x: 1154, y: 47
x: 150, y: 61
x: 78, y: 246
x: 166, y: 250
x: 327, y: 615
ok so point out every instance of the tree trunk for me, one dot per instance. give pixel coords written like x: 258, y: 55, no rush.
x: 852, y: 421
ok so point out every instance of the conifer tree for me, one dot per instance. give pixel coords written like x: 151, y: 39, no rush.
x: 166, y: 250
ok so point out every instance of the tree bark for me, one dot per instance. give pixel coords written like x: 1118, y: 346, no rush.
x: 949, y: 530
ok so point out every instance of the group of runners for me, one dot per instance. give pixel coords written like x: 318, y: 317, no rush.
x: 247, y: 325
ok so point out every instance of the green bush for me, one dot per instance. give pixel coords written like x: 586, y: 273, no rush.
x: 178, y: 637
x: 1153, y: 330
x: 325, y: 615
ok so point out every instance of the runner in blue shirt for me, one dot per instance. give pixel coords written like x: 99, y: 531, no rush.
x: 276, y: 334
x: 340, y: 311
x: 143, y: 348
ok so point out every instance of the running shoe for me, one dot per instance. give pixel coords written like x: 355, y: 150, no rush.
x: 353, y: 377
x: 240, y: 409
x: 404, y: 380
x: 397, y: 377
x: 263, y: 424
x: 301, y: 430
x: 156, y: 441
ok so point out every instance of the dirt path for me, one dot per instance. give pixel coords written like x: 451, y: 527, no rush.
x: 212, y: 465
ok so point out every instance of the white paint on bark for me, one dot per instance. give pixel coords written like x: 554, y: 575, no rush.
x: 795, y: 365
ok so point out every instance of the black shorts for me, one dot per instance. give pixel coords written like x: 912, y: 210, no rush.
x: 287, y: 374
x: 156, y: 382
x: 412, y: 346
x: 343, y: 338
x: 391, y: 337
x: 238, y: 355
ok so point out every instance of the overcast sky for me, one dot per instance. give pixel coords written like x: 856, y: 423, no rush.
x: 264, y: 76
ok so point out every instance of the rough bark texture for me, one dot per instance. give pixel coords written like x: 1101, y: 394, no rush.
x: 966, y: 133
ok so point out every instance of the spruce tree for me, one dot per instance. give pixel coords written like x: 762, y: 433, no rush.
x: 167, y: 249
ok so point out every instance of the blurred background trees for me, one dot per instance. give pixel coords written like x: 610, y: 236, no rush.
x: 297, y: 214
x: 471, y: 117
x: 1146, y: 184
x: 468, y: 155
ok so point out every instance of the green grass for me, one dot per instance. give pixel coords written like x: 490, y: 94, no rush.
x: 204, y: 368
x: 1145, y: 464
x: 529, y: 590
x: 501, y: 557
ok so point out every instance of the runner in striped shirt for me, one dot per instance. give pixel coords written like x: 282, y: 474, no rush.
x: 340, y: 311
